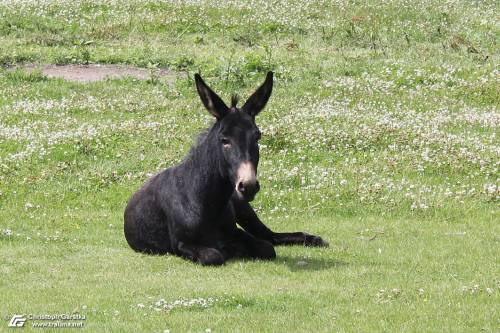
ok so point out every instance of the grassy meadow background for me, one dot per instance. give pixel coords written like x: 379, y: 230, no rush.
x: 381, y: 136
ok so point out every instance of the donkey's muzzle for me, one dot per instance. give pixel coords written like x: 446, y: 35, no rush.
x: 247, y: 190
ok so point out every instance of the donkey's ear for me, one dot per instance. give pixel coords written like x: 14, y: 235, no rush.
x: 211, y: 100
x: 258, y: 100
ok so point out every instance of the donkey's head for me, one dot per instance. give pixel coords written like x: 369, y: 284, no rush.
x: 237, y: 134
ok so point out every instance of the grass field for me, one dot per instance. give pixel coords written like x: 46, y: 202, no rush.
x: 381, y: 136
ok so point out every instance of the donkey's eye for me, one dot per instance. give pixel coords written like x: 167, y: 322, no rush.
x: 225, y: 142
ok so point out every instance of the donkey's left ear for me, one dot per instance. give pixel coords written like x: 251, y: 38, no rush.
x: 213, y: 103
x: 258, y: 100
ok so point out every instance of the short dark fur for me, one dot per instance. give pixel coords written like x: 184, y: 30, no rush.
x: 192, y: 210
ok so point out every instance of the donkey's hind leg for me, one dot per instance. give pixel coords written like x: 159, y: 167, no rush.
x: 246, y: 245
x: 145, y: 225
x: 201, y: 254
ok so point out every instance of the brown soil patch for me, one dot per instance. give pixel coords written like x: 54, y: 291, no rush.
x: 96, y: 72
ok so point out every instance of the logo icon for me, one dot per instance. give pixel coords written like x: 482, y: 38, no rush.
x: 17, y: 321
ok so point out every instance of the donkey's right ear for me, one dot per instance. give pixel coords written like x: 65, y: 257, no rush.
x: 213, y: 103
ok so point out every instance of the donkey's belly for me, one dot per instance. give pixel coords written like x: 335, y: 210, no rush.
x: 146, y: 228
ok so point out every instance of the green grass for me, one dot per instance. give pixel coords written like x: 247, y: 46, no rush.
x: 381, y: 136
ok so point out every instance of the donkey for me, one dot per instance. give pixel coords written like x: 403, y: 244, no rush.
x: 192, y: 210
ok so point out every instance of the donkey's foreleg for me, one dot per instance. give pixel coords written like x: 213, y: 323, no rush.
x: 298, y: 238
x: 200, y: 254
x: 246, y: 217
x: 248, y: 220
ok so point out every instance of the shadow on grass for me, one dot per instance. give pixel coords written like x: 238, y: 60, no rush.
x: 296, y: 264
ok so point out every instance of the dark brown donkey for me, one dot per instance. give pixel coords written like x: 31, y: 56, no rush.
x: 192, y: 210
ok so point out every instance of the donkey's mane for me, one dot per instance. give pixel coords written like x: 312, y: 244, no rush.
x: 234, y: 100
x: 200, y: 139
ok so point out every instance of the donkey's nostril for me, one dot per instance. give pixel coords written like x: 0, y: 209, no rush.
x: 248, y: 190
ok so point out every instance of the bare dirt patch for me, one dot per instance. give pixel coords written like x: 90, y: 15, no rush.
x: 97, y: 72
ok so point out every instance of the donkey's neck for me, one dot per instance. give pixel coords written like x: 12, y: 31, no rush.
x: 208, y: 182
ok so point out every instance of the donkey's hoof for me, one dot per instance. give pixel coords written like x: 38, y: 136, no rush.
x: 211, y: 257
x: 264, y: 250
x: 315, y: 241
